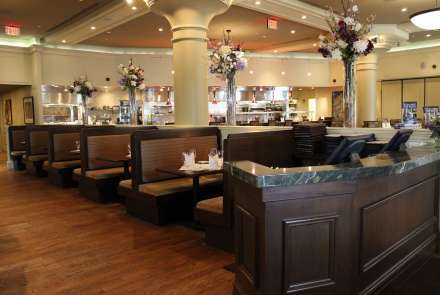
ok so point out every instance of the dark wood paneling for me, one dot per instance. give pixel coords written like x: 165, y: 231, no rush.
x: 311, y: 242
x: 247, y: 241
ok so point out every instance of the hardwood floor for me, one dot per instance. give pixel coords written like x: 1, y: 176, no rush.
x: 52, y: 241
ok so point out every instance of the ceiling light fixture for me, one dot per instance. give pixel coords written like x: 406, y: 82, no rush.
x: 134, y: 8
x: 428, y: 35
x: 314, y: 44
x: 304, y: 16
x: 257, y: 2
x: 251, y: 72
x: 309, y: 74
x: 427, y: 19
x: 275, y: 51
x: 92, y: 28
x: 404, y: 9
x: 283, y: 73
x: 292, y: 32
x: 129, y: 2
x: 160, y: 30
x: 63, y: 41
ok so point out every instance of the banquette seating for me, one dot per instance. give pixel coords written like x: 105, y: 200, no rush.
x: 160, y: 197
x: 273, y: 149
x: 37, y: 138
x: 62, y: 159
x: 17, y: 145
x: 100, y: 171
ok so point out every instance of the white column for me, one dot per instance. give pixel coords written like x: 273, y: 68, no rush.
x: 189, y: 21
x: 366, y: 69
x: 37, y: 81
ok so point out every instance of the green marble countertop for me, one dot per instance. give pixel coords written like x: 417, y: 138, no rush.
x: 380, y: 165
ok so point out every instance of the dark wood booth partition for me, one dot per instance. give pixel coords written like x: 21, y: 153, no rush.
x: 160, y: 197
x: 273, y: 149
x: 17, y: 145
x: 297, y: 233
x: 62, y: 157
x: 37, y: 148
x: 102, y: 150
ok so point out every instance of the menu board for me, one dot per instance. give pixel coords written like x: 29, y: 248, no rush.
x: 409, y: 113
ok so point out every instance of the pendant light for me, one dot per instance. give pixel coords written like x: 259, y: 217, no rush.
x: 427, y: 19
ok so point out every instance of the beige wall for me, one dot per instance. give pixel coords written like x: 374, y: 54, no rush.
x: 16, y: 97
x: 323, y: 96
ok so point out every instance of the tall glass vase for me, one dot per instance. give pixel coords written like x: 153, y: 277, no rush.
x: 132, y: 106
x: 231, y: 101
x: 84, y: 111
x: 350, y: 95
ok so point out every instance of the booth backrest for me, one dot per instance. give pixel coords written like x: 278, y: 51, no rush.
x: 164, y: 148
x: 37, y: 139
x: 272, y: 149
x: 105, y: 143
x: 62, y: 140
x: 17, y: 138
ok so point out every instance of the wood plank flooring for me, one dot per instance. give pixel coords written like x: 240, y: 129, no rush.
x: 53, y: 241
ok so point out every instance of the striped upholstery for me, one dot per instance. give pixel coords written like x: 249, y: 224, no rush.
x: 106, y: 147
x: 39, y: 142
x: 63, y: 144
x: 167, y: 152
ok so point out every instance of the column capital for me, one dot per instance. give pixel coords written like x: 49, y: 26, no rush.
x: 194, y: 14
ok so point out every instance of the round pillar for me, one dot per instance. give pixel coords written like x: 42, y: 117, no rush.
x: 189, y: 20
x: 367, y: 88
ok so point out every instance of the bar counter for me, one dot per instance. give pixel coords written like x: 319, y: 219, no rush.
x: 344, y: 229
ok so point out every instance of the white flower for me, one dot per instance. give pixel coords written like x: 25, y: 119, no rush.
x: 77, y: 89
x: 358, y: 27
x: 225, y: 50
x: 360, y: 46
x: 355, y: 8
x: 142, y: 86
x: 349, y: 21
x: 89, y: 85
x: 322, y: 37
x: 133, y: 83
x: 336, y: 54
x: 342, y: 44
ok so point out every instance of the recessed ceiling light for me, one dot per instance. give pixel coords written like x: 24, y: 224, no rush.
x: 283, y: 73
x: 300, y: 89
x: 160, y: 30
x: 264, y: 36
x: 309, y: 74
x: 275, y: 51
x: 304, y: 16
x: 257, y: 2
x: 63, y: 41
x: 173, y: 72
x: 428, y: 35
x: 404, y: 9
x: 134, y: 8
x: 129, y: 2
x: 108, y: 32
x: 93, y: 28
x: 314, y: 44
x: 251, y: 72
x: 292, y: 32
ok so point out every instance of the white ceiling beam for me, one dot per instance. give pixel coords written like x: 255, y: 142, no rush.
x: 103, y: 19
x: 292, y: 10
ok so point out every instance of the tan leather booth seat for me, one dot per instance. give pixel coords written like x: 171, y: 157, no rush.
x: 177, y: 185
x: 214, y: 205
x: 18, y: 153
x: 105, y: 173
x: 66, y: 164
x: 36, y: 158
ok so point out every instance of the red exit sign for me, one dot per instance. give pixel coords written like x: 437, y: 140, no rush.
x: 272, y: 23
x: 12, y: 31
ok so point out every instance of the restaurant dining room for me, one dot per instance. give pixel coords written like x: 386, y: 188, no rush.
x: 183, y: 147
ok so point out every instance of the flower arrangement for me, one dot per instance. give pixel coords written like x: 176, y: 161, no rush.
x: 83, y: 87
x: 132, y: 76
x: 226, y: 59
x: 348, y: 37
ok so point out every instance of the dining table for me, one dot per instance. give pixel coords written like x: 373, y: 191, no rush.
x: 194, y: 174
x: 125, y: 161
